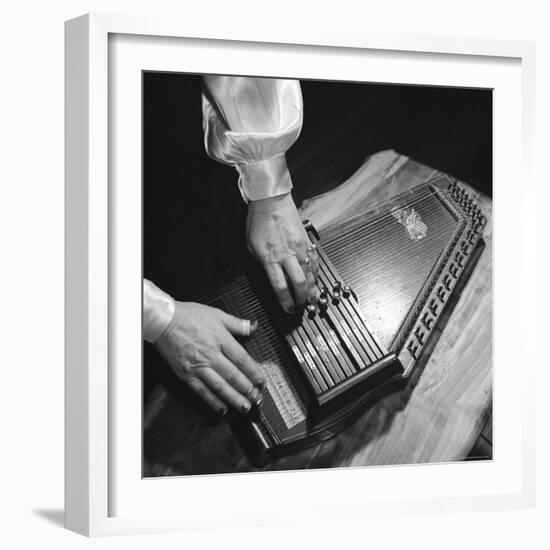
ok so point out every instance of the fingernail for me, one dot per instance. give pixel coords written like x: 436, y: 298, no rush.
x: 245, y: 407
x: 253, y: 394
x: 222, y: 411
x: 256, y: 397
x: 289, y: 307
x: 254, y: 326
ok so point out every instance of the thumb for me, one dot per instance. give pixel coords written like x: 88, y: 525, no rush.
x: 237, y: 326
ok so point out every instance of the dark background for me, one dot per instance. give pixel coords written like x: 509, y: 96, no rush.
x: 193, y: 212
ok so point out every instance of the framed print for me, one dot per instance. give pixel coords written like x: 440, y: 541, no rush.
x: 289, y: 272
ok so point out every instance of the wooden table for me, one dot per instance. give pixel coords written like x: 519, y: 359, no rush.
x: 438, y: 418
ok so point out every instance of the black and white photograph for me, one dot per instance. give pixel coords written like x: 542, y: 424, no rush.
x: 317, y: 274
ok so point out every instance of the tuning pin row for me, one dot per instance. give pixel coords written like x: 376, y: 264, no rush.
x: 465, y: 247
x: 480, y: 224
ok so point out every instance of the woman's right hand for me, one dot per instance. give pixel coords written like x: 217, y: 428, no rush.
x: 200, y: 347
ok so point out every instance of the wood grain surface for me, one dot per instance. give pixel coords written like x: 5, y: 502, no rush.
x: 438, y: 418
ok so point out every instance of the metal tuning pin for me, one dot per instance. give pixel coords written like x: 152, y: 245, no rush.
x: 337, y: 291
x: 427, y: 321
x: 311, y: 310
x: 465, y: 247
x: 478, y: 228
x: 433, y: 307
x: 413, y: 348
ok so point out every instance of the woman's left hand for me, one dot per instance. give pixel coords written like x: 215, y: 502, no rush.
x: 277, y: 239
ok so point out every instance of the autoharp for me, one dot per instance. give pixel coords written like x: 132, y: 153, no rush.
x: 386, y: 277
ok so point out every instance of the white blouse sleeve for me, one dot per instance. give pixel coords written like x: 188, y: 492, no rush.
x: 250, y: 123
x: 158, y: 310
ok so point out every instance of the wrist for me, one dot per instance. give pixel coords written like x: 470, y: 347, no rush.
x: 264, y: 179
x: 271, y: 204
x: 158, y: 311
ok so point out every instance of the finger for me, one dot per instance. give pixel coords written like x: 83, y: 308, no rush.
x: 313, y: 255
x: 297, y: 278
x: 219, y: 386
x: 312, y: 290
x: 239, y: 357
x: 200, y: 388
x: 237, y: 379
x: 311, y: 270
x: 277, y: 279
x: 237, y: 326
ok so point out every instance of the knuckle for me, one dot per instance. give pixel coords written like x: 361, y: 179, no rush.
x: 256, y: 372
x: 300, y: 281
x: 201, y: 392
x: 232, y: 377
x: 297, y: 243
x: 182, y: 370
x: 240, y: 358
x: 194, y: 383
x: 218, y: 386
x: 281, y: 289
x: 259, y: 378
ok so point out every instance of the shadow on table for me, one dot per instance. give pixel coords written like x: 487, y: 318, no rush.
x: 54, y: 516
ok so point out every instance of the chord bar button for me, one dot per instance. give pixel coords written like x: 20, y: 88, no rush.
x: 337, y: 291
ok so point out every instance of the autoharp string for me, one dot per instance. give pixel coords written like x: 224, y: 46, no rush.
x: 340, y: 252
x: 341, y: 245
x: 367, y: 227
x: 379, y: 221
x: 356, y: 253
x: 354, y: 318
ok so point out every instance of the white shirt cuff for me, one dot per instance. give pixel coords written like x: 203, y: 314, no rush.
x: 158, y: 310
x: 265, y: 178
